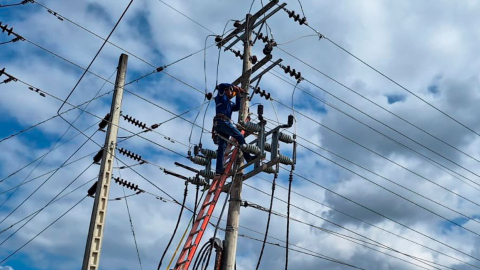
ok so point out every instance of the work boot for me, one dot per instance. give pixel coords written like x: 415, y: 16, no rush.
x: 217, y: 176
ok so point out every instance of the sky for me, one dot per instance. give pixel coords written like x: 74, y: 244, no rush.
x: 387, y: 162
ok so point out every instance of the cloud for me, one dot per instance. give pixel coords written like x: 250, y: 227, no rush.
x: 431, y: 49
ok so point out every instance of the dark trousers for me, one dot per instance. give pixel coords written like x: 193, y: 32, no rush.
x: 226, y: 129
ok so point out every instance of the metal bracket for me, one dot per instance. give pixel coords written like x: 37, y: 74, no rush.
x: 242, y: 27
x: 259, y: 75
x: 253, y: 69
x: 242, y: 37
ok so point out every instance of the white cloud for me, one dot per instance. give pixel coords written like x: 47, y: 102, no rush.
x: 418, y: 44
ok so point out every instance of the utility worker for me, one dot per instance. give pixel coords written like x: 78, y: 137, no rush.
x: 222, y: 122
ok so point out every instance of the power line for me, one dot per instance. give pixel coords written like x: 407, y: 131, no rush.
x: 33, y: 238
x: 380, y: 155
x: 374, y: 103
x: 357, y: 241
x: 16, y: 4
x: 53, y: 117
x: 430, y: 160
x: 38, y: 158
x: 37, y: 177
x: 130, y: 219
x: 41, y: 158
x: 184, y: 119
x: 30, y: 219
x: 122, y: 49
x: 366, y: 244
x: 185, y: 192
x: 372, y: 172
x: 268, y: 219
x: 70, y: 192
x: 46, y: 180
x: 382, y: 215
x: 93, y: 60
x: 58, y: 140
x: 370, y: 224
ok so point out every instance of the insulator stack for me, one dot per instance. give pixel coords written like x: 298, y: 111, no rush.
x: 209, y: 174
x: 5, y: 29
x: 251, y: 127
x: 36, y: 90
x: 198, y: 181
x: 262, y: 93
x: 199, y: 160
x: 292, y: 72
x: 130, y: 154
x: 265, y: 39
x: 270, y: 170
x: 237, y: 54
x: 211, y: 154
x: 251, y: 149
x: 268, y: 147
x: 285, y: 160
x: 296, y: 17
x: 285, y: 138
x: 126, y: 184
x: 135, y: 122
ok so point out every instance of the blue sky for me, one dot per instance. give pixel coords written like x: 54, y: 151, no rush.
x: 428, y: 47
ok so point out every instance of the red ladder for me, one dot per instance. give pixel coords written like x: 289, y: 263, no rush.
x: 203, y: 217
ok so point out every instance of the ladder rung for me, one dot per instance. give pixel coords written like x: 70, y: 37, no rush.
x: 189, y: 247
x: 202, y: 218
x: 180, y: 263
x: 197, y: 231
x: 208, y: 204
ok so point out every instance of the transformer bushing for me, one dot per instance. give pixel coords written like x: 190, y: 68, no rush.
x: 268, y: 147
x: 270, y: 170
x: 285, y: 138
x: 251, y: 127
x: 199, y: 160
x: 251, y: 149
x: 285, y: 160
x: 209, y: 174
x: 210, y: 154
x: 198, y: 181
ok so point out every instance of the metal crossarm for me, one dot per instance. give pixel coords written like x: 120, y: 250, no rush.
x: 206, y: 210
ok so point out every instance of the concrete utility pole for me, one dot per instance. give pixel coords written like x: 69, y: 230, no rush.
x: 233, y: 218
x: 91, y: 259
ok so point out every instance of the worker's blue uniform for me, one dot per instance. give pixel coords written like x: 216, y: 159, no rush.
x: 224, y: 126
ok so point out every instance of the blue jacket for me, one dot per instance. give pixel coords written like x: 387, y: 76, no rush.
x: 223, y: 104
